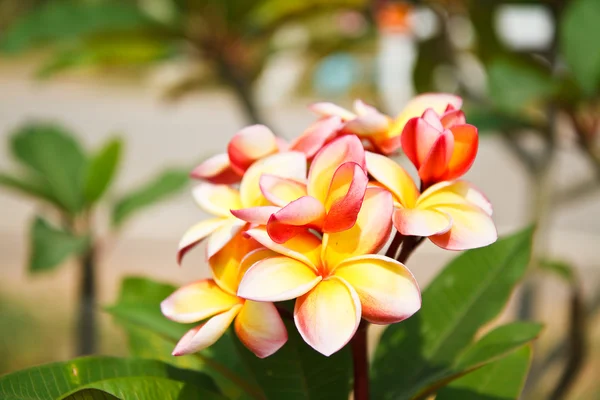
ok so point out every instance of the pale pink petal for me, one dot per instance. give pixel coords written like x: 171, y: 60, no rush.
x: 345, y: 197
x: 291, y: 164
x: 260, y: 328
x: 256, y: 215
x: 217, y: 199
x: 222, y: 235
x: 329, y: 109
x: 452, y: 118
x: 393, y: 177
x: 387, y: 290
x: 315, y: 137
x: 306, y: 212
x: 369, y: 234
x: 471, y: 228
x: 421, y: 222
x: 206, y: 334
x: 435, y: 165
x: 466, y: 143
x: 196, y: 234
x: 433, y: 119
x: 344, y: 149
x: 362, y: 108
x: 368, y: 124
x: 304, y: 247
x: 250, y: 144
x: 327, y: 317
x: 217, y: 169
x: 281, y: 191
x: 277, y: 279
x: 197, y: 301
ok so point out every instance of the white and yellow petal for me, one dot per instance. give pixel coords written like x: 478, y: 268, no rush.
x: 392, y: 176
x: 304, y: 247
x: 196, y: 234
x: 217, y: 199
x: 260, y: 328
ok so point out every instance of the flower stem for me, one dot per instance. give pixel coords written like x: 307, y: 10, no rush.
x: 360, y: 362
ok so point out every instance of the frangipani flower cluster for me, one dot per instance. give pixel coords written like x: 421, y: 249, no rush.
x: 305, y: 221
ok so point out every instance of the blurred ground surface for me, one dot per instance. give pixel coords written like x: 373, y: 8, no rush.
x: 159, y: 134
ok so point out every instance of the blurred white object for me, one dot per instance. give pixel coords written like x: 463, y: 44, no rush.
x: 423, y: 23
x: 524, y: 27
x: 396, y: 60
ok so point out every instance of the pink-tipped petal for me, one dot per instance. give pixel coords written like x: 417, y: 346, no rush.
x: 281, y: 191
x: 369, y: 124
x: 206, y: 334
x: 217, y: 169
x: 297, y: 216
x: 196, y: 234
x: 345, y: 197
x: 291, y: 165
x: 471, y: 228
x: 327, y: 317
x: 435, y: 165
x: 250, y: 144
x: 315, y: 137
x: 256, y: 215
x: 226, y: 265
x: 393, y: 177
x: 326, y: 109
x: 368, y: 235
x: 304, y: 247
x: 457, y: 192
x: 417, y: 139
x: 466, y: 143
x: 344, y: 149
x: 417, y: 222
x: 260, y: 328
x: 438, y: 102
x: 277, y: 279
x: 452, y: 118
x: 217, y: 199
x: 387, y: 290
x: 197, y: 301
x: 223, y: 235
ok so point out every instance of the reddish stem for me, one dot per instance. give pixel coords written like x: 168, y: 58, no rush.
x: 361, y: 362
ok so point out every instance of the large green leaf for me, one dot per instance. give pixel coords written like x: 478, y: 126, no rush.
x: 515, y: 85
x: 50, y: 246
x: 122, y: 378
x: 29, y: 186
x: 579, y: 30
x: 52, y: 153
x: 467, y: 294
x: 152, y: 335
x: 71, y: 19
x: 101, y: 170
x: 297, y: 372
x: 158, y: 189
x: 501, y: 380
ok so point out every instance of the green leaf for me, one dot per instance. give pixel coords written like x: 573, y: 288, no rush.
x: 579, y: 30
x: 488, y: 120
x: 152, y: 335
x: 297, y: 372
x: 560, y: 268
x: 29, y: 186
x: 50, y: 246
x: 466, y: 295
x: 160, y: 188
x: 515, y: 85
x: 120, y: 377
x: 52, y: 153
x: 59, y: 20
x: 501, y: 380
x: 101, y: 170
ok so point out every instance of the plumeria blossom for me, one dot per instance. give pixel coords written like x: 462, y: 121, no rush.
x: 258, y: 325
x: 452, y: 214
x: 219, y: 199
x: 256, y: 142
x: 338, y: 279
x: 381, y: 131
x: 328, y: 202
x: 442, y: 147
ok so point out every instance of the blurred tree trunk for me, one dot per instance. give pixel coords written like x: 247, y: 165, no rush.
x: 86, y: 323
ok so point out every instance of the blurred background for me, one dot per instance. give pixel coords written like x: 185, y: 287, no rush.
x: 143, y: 90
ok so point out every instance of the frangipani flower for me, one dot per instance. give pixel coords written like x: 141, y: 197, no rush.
x: 453, y: 215
x: 258, y: 325
x: 256, y: 142
x: 441, y: 148
x: 218, y: 200
x: 338, y: 279
x: 381, y: 131
x: 328, y: 202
